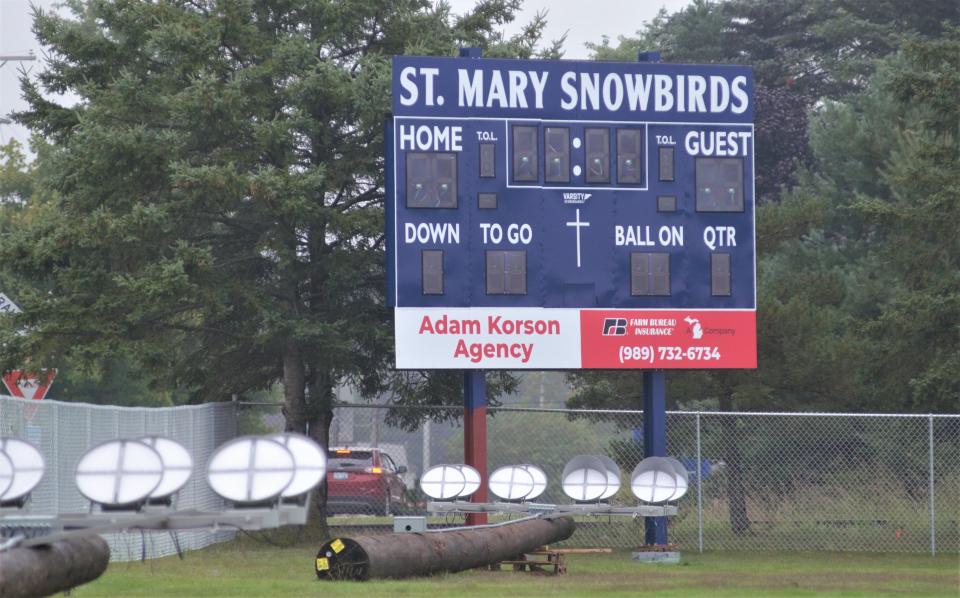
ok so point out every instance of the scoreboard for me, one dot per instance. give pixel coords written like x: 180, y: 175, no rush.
x: 571, y: 214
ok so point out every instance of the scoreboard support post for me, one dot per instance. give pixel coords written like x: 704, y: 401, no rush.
x: 654, y: 410
x: 475, y: 434
x: 655, y: 440
x: 475, y: 407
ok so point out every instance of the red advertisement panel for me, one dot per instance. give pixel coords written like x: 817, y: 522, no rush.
x: 674, y: 339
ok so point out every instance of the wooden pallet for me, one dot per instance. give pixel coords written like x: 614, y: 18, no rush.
x: 542, y: 561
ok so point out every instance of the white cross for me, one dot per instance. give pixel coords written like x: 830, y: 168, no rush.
x: 578, y: 225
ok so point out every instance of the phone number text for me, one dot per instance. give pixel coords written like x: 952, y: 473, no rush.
x: 648, y: 354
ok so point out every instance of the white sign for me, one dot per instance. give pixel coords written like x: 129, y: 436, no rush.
x: 487, y: 338
x: 7, y: 306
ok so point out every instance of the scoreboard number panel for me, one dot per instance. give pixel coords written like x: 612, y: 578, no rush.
x: 571, y: 215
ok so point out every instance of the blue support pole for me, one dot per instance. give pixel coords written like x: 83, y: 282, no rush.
x: 655, y: 440
x: 654, y: 408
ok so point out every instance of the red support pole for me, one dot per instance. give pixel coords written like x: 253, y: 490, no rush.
x: 475, y: 406
x: 475, y: 435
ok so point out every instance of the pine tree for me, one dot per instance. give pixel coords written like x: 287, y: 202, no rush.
x: 213, y: 206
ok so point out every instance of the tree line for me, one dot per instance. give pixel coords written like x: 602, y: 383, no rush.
x: 858, y: 204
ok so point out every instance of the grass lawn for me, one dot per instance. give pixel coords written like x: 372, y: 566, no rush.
x: 249, y: 568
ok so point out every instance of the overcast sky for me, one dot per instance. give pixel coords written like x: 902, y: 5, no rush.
x: 583, y: 21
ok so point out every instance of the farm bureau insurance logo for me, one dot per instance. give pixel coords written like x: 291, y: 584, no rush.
x: 614, y: 326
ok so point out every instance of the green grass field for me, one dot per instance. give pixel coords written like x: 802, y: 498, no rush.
x: 249, y: 568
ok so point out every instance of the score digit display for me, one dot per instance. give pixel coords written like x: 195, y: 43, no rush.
x: 571, y: 215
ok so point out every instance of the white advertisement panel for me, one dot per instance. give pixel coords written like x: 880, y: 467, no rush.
x: 487, y: 338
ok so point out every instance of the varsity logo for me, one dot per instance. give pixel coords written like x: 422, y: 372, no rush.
x: 614, y: 326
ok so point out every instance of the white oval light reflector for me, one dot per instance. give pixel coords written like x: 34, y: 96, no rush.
x: 471, y: 479
x: 584, y: 478
x: 250, y: 470
x: 177, y: 465
x: 682, y: 477
x: 512, y: 482
x: 443, y: 482
x: 309, y: 461
x: 6, y: 473
x: 654, y: 480
x: 539, y: 481
x: 119, y: 472
x: 28, y: 468
x: 613, y: 476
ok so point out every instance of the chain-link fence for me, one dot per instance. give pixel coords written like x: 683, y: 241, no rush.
x: 887, y: 483
x: 65, y: 431
x: 758, y: 481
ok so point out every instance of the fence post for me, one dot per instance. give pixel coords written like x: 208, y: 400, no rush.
x: 931, y: 491
x: 55, y: 450
x: 699, y: 489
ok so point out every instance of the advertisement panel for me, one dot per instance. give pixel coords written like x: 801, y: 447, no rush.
x: 529, y: 338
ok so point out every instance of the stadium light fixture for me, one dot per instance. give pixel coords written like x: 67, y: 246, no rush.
x: 539, y: 481
x: 613, y: 476
x: 471, y: 479
x: 584, y: 478
x: 250, y: 470
x: 682, y: 477
x: 309, y: 462
x: 6, y: 473
x: 177, y: 467
x: 654, y: 480
x: 28, y: 467
x: 512, y: 482
x: 443, y: 482
x: 119, y: 474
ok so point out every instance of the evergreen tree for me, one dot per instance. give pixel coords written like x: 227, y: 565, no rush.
x: 213, y: 206
x: 908, y: 215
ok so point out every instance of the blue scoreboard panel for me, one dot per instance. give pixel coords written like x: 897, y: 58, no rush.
x: 566, y: 214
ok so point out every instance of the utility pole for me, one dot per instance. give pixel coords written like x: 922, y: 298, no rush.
x: 16, y: 58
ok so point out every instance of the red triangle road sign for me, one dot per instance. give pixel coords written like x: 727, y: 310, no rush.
x: 29, y: 385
